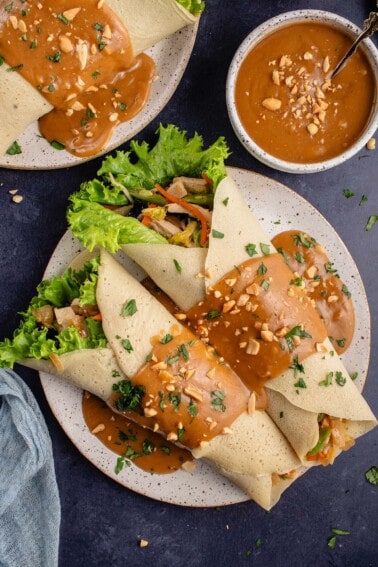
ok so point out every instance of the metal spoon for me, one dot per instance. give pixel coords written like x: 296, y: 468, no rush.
x: 370, y: 26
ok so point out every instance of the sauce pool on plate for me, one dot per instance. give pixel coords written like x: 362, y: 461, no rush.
x: 287, y: 102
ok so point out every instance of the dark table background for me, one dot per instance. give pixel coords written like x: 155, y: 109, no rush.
x: 102, y: 522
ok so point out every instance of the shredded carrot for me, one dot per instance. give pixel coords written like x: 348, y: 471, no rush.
x: 207, y: 179
x: 189, y: 207
x: 146, y: 220
x: 97, y: 317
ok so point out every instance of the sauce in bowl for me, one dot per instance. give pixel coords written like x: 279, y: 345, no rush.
x: 287, y: 102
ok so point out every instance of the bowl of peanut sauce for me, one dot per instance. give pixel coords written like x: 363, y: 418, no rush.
x: 283, y: 104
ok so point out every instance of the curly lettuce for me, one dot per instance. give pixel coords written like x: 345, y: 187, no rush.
x: 132, y: 175
x: 193, y: 6
x: 31, y: 340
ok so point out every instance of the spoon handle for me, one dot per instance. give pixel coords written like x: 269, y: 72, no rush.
x: 370, y: 26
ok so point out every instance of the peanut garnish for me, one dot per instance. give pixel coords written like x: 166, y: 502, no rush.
x: 272, y: 103
x: 192, y: 392
x: 100, y: 427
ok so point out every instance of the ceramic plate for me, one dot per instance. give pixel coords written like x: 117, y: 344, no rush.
x: 171, y: 56
x: 272, y: 202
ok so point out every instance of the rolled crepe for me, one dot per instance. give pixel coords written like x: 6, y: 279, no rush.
x: 21, y: 105
x: 294, y: 410
x: 147, y: 21
x: 252, y: 452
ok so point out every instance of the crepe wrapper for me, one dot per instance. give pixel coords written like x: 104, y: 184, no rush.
x: 147, y: 22
x: 256, y: 452
x: 233, y: 218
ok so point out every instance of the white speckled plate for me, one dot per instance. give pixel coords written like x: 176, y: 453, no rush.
x: 171, y: 56
x: 271, y: 202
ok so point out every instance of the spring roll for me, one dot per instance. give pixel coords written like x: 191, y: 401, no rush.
x: 147, y: 22
x: 312, y: 399
x: 188, y: 394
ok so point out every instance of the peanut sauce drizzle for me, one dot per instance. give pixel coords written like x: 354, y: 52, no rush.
x: 258, y: 319
x: 80, y: 58
x: 329, y: 294
x: 123, y: 436
x: 191, y: 394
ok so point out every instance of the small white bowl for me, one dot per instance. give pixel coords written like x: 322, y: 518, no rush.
x: 252, y: 40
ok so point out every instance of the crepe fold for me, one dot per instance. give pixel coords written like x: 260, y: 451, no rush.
x: 147, y: 22
x: 252, y: 453
x: 294, y: 410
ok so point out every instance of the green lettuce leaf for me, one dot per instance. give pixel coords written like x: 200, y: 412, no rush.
x: 122, y: 176
x: 94, y: 225
x: 31, y: 340
x: 193, y: 6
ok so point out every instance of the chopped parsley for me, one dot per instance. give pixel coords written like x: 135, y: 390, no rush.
x: 251, y: 249
x: 183, y: 351
x: 265, y: 248
x: 57, y: 145
x: 217, y: 234
x: 225, y: 201
x: 340, y: 379
x: 341, y: 342
x: 363, y: 200
x: 165, y: 449
x: 129, y: 308
x: 354, y: 376
x: 302, y: 240
x: 217, y: 399
x: 175, y: 399
x: 295, y: 332
x: 265, y: 285
x: 192, y: 408
x: 213, y: 314
x: 300, y: 383
x: 299, y: 258
x: 147, y: 447
x: 327, y: 381
x: 297, y: 367
x: 14, y: 149
x: 371, y: 222
x: 329, y: 268
x: 372, y: 475
x: 348, y: 193
x: 127, y: 345
x: 297, y: 281
x: 337, y: 531
x: 166, y: 339
x: 346, y: 291
x: 63, y: 19
x: 130, y: 395
x: 115, y: 374
x: 56, y: 57
x: 177, y: 266
x: 262, y: 269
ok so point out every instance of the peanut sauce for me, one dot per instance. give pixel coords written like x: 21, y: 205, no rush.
x: 308, y: 259
x: 81, y: 60
x: 286, y: 101
x: 191, y: 394
x: 257, y: 318
x: 147, y: 450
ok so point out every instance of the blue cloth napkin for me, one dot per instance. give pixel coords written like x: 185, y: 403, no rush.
x: 29, y: 498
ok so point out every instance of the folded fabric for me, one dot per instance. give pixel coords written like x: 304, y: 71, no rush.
x: 29, y: 499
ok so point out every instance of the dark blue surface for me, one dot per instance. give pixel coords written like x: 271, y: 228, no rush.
x: 103, y: 522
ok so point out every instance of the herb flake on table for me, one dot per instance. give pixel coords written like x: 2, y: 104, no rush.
x: 371, y: 222
x: 348, y: 193
x: 372, y: 475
